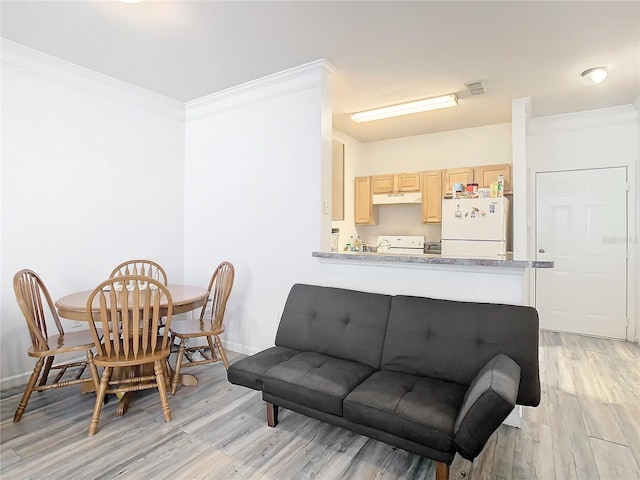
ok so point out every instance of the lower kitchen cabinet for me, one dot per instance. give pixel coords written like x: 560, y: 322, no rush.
x: 432, y: 196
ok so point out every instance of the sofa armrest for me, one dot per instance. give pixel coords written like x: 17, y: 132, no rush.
x: 489, y: 400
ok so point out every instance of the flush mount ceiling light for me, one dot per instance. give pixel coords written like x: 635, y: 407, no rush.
x: 406, y: 108
x: 130, y: 1
x: 594, y: 76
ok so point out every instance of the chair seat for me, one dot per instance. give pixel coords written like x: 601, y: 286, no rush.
x: 122, y: 361
x: 194, y: 328
x: 69, y: 342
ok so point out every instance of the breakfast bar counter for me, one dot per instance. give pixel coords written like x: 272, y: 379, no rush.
x: 430, y: 259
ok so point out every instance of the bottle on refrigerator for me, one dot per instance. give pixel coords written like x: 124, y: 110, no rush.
x: 500, y: 185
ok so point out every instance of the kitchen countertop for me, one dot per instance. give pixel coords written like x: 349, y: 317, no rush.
x: 432, y: 259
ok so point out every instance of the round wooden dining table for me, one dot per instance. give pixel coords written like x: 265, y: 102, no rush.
x: 185, y: 298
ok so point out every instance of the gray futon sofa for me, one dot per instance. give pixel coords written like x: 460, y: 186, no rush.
x: 433, y: 377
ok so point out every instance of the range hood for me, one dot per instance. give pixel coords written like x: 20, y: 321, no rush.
x: 397, y: 198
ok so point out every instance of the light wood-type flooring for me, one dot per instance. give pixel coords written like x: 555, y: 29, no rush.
x: 587, y: 427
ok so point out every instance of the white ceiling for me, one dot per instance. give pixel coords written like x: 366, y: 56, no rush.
x: 385, y: 52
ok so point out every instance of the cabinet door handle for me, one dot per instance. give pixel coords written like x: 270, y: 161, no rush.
x: 541, y: 250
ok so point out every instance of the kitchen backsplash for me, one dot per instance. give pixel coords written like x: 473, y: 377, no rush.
x: 400, y: 220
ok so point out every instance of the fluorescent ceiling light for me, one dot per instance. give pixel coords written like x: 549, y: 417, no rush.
x: 406, y: 108
x: 594, y: 76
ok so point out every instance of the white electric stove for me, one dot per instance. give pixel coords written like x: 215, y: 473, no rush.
x: 411, y: 244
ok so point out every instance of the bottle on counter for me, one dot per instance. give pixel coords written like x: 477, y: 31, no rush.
x: 350, y: 244
x: 358, y: 244
x: 500, y: 185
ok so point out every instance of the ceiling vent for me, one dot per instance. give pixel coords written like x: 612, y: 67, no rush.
x: 476, y: 88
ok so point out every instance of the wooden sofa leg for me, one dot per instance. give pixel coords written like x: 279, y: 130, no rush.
x: 272, y: 414
x: 442, y: 471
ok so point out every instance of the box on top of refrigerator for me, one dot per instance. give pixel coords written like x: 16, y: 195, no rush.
x: 475, y: 227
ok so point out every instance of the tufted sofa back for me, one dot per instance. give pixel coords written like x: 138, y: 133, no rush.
x: 345, y: 324
x: 450, y: 340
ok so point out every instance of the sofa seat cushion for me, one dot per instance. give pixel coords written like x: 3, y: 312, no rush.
x: 249, y: 371
x: 315, y: 380
x: 420, y: 409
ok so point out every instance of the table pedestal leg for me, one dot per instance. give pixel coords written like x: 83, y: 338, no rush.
x: 123, y: 404
x: 125, y: 399
x: 188, y: 380
x: 184, y: 379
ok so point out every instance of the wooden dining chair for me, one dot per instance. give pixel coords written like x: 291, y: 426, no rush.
x: 125, y: 322
x: 146, y: 268
x: 48, y: 339
x: 206, y: 328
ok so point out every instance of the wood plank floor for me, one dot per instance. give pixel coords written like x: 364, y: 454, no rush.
x: 587, y: 427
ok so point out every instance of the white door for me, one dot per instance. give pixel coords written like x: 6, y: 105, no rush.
x: 582, y: 226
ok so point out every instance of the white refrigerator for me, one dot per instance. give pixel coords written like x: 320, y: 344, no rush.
x: 475, y: 227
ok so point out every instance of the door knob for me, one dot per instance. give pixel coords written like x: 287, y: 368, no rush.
x: 541, y: 250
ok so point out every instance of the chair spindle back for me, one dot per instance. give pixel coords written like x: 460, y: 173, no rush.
x: 127, y: 309
x: 36, y: 304
x: 146, y: 268
x: 219, y: 289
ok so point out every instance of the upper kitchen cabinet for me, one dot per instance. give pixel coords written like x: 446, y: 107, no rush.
x: 485, y: 175
x: 363, y: 201
x: 399, y: 182
x: 457, y: 175
x: 432, y: 196
x: 383, y: 183
x: 408, y: 182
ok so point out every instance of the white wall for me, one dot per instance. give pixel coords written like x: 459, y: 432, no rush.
x: 92, y: 175
x: 593, y: 139
x: 253, y: 194
x: 457, y: 148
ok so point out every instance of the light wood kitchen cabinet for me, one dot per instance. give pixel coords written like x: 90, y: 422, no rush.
x: 457, y: 175
x: 399, y: 182
x: 432, y: 196
x: 383, y: 183
x: 487, y: 174
x: 408, y: 182
x: 363, y: 201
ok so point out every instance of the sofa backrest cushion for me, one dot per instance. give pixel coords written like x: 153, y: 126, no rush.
x: 451, y: 340
x: 345, y: 324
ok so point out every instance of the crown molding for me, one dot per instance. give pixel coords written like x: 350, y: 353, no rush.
x: 604, y: 117
x: 297, y: 79
x: 47, y: 67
